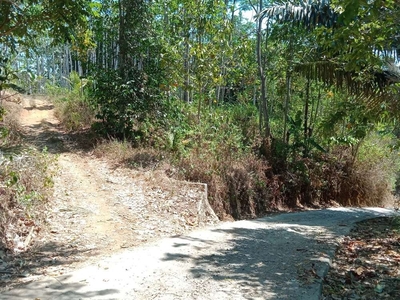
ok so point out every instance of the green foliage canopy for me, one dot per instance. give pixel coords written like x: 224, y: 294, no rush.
x: 355, y: 38
x: 20, y: 19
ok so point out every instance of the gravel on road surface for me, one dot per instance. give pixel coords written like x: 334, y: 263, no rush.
x: 282, y: 256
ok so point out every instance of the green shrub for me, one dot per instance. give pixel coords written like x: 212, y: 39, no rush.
x: 72, y: 108
x: 221, y: 150
x: 123, y: 104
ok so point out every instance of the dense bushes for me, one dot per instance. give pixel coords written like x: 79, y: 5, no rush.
x: 220, y: 146
x: 122, y: 103
x: 221, y: 150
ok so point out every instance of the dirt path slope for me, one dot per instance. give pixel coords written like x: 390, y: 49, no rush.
x: 96, y: 210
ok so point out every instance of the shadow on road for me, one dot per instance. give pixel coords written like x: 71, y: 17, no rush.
x: 72, y: 291
x: 42, y: 107
x: 48, y: 136
x: 278, y: 257
x: 49, y: 257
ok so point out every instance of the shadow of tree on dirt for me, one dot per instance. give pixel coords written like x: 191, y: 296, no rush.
x: 74, y: 290
x: 41, y: 107
x: 58, y: 142
x: 280, y: 257
x: 38, y: 260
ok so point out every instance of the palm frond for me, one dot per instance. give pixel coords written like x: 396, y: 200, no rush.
x: 372, y: 89
x: 313, y: 13
x: 308, y: 13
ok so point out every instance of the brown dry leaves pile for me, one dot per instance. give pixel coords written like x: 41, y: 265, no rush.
x: 367, y: 264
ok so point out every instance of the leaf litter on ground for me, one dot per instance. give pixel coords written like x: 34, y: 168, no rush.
x: 367, y: 263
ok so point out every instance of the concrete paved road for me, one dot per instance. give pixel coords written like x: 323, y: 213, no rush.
x: 276, y: 257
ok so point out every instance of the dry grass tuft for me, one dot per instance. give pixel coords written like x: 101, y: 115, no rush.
x: 339, y: 178
x: 113, y: 149
x: 239, y: 188
x: 74, y: 114
x: 124, y: 153
x: 25, y: 187
x: 366, y: 185
x: 11, y: 123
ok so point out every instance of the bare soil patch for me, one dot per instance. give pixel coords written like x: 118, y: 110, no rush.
x: 97, y: 209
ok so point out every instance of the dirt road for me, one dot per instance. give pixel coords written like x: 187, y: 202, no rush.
x: 97, y: 209
x: 123, y: 234
x: 278, y: 257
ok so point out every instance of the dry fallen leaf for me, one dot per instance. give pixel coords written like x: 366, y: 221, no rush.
x: 367, y: 264
x: 359, y: 271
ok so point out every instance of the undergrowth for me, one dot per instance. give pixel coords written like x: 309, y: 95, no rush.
x: 74, y: 113
x: 222, y: 150
x: 25, y: 185
x: 71, y: 107
x: 122, y: 152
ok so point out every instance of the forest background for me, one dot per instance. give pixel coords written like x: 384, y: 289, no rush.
x: 297, y: 107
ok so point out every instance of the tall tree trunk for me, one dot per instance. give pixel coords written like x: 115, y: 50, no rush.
x: 186, y: 63
x: 285, y: 136
x: 315, y: 110
x: 54, y: 69
x: 305, y: 126
x: 263, y: 101
x: 122, y: 42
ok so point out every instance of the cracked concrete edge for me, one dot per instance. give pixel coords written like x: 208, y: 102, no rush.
x: 323, y: 270
x: 324, y: 266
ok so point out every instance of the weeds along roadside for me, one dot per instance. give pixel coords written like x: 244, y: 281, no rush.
x: 26, y: 182
x: 10, y: 127
x: 71, y: 106
x: 25, y: 189
x: 222, y: 150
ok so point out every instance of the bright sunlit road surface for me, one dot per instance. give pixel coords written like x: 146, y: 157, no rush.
x: 277, y: 257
